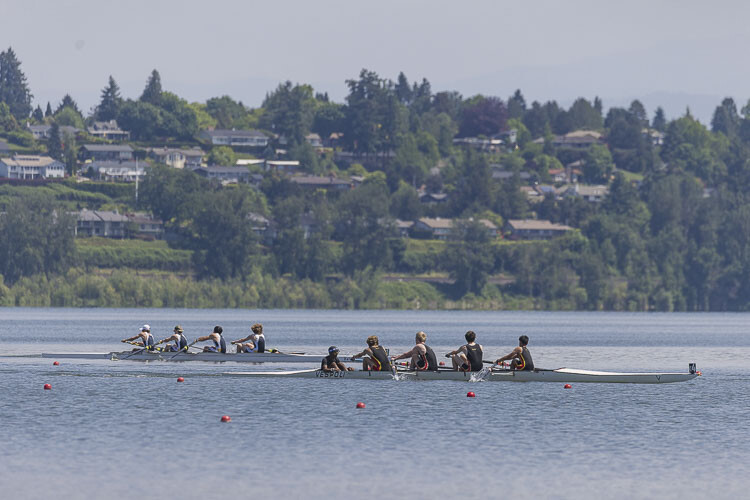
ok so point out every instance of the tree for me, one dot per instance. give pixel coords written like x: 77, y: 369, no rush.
x: 110, y: 103
x: 329, y: 118
x: 289, y: 111
x: 583, y: 115
x: 38, y: 114
x: 70, y: 117
x: 467, y: 256
x: 152, y: 91
x: 403, y: 91
x: 222, y: 155
x: 227, y: 112
x: 483, y: 116
x: 726, y: 119
x: 14, y: 91
x: 597, y: 165
x: 7, y: 121
x: 660, y: 121
x: 54, y: 142
x: 639, y: 112
x: 36, y: 236
x: 516, y: 105
x: 68, y: 102
x: 48, y: 111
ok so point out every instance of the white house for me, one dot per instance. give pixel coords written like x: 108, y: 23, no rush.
x: 31, y: 167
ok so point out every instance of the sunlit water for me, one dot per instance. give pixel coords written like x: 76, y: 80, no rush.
x: 126, y: 429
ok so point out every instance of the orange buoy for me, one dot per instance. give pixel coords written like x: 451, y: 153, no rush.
x: 470, y: 394
x: 442, y: 363
x: 567, y: 386
x: 180, y: 379
x: 226, y: 418
x: 47, y: 387
x: 360, y: 405
x: 56, y: 363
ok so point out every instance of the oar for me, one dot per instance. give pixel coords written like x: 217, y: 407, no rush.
x: 179, y: 352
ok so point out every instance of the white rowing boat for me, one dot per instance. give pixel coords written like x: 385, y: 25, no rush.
x: 215, y: 357
x: 565, y: 375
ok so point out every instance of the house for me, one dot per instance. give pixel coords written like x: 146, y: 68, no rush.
x: 108, y: 130
x: 146, y: 225
x: 532, y: 229
x: 287, y: 167
x: 101, y: 223
x: 178, y: 158
x: 29, y: 167
x: 118, y: 171
x: 558, y: 175
x: 578, y: 139
x: 42, y: 132
x: 531, y: 193
x: 403, y: 227
x: 432, y: 198
x: 500, y: 173
x: 225, y: 175
x: 656, y: 137
x: 594, y: 194
x: 440, y: 228
x: 240, y: 138
x: 316, y: 182
x: 262, y: 227
x: 492, y: 144
x: 106, y: 152
x: 314, y: 140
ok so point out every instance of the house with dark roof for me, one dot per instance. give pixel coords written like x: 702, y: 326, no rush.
x: 30, y: 167
x: 146, y: 226
x: 118, y: 171
x: 106, y: 152
x: 440, y: 228
x: 101, y: 223
x: 532, y: 229
x: 578, y: 139
x: 108, y: 130
x: 240, y: 138
x: 42, y: 132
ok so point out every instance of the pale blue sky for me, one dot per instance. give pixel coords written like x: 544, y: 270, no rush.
x: 676, y: 53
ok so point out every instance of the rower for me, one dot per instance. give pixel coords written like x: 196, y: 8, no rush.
x: 520, y: 355
x: 180, y: 341
x: 468, y: 357
x: 220, y: 344
x: 331, y: 362
x: 256, y: 341
x: 376, y: 357
x: 422, y: 356
x: 145, y: 336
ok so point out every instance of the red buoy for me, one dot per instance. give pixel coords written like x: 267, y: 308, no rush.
x: 470, y: 394
x: 567, y: 386
x: 442, y: 363
x: 56, y: 363
x: 360, y: 405
x: 47, y: 387
x: 226, y: 418
x: 180, y: 379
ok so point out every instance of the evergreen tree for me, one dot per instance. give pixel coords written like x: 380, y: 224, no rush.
x: 152, y: 92
x: 726, y: 119
x: 68, y: 102
x: 13, y: 88
x: 54, y: 143
x: 516, y: 105
x: 639, y: 111
x: 660, y: 121
x: 109, y: 106
x: 48, y: 111
x: 402, y: 89
x: 38, y: 114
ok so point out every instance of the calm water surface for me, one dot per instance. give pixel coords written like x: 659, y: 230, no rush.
x: 128, y: 430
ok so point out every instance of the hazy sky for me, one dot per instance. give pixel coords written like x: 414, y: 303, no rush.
x: 674, y: 53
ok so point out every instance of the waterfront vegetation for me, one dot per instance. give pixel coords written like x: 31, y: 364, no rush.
x: 672, y: 232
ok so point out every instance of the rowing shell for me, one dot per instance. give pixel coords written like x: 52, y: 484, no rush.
x: 494, y: 375
x: 215, y: 357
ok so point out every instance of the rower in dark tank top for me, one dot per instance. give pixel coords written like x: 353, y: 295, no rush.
x: 520, y: 356
x: 468, y: 357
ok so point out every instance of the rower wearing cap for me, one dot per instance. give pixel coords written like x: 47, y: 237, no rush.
x: 468, y: 357
x: 145, y: 336
x: 256, y: 341
x: 180, y: 341
x: 422, y: 356
x: 331, y: 362
x: 376, y: 357
x: 220, y: 344
x: 520, y: 355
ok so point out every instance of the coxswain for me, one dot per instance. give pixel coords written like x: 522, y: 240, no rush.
x: 255, y: 342
x: 146, y: 338
x: 422, y: 356
x: 468, y: 357
x: 180, y: 341
x: 520, y: 355
x: 374, y: 357
x: 220, y: 344
x: 331, y: 362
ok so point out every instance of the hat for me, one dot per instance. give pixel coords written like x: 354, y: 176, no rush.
x: 333, y: 349
x: 178, y: 328
x: 145, y: 328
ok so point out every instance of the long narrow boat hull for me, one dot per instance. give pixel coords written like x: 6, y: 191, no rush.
x: 565, y: 375
x: 214, y: 357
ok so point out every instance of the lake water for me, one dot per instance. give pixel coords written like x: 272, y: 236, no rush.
x: 126, y: 429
